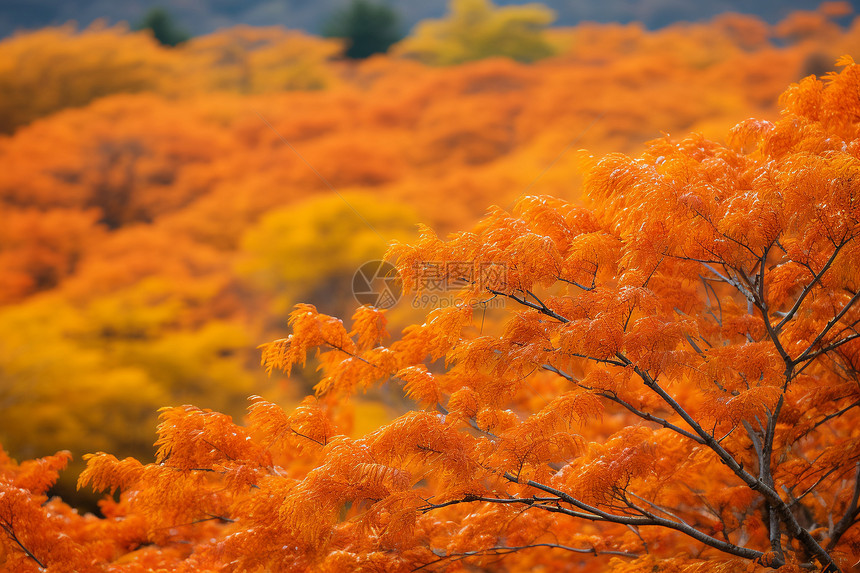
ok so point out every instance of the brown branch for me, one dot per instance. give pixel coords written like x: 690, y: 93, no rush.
x: 576, y: 284
x: 828, y: 348
x: 351, y: 354
x: 214, y: 447
x: 308, y: 437
x: 659, y: 508
x: 713, y: 291
x: 542, y: 308
x: 836, y: 414
x: 810, y: 489
x: 793, y: 527
x: 731, y: 281
x: 808, y: 288
x: 506, y: 550
x: 471, y: 421
x: 7, y: 527
x: 830, y: 324
x: 760, y: 302
x: 211, y: 517
x: 614, y: 398
x: 766, y: 477
x: 851, y: 513
x: 599, y: 515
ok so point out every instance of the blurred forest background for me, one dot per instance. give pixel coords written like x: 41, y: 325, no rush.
x: 157, y: 224
x: 205, y: 16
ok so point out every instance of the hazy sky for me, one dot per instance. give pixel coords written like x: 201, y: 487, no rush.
x: 202, y: 16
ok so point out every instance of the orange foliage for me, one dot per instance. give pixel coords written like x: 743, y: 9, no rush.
x: 673, y: 383
x: 194, y: 158
x: 52, y: 69
x: 143, y: 213
x: 664, y: 394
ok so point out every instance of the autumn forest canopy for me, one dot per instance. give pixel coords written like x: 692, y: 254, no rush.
x: 627, y: 334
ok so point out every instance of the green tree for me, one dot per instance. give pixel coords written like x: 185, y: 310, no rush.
x: 368, y: 28
x: 477, y: 29
x: 163, y: 27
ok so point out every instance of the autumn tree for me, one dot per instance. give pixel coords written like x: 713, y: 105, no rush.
x: 123, y: 221
x: 248, y: 59
x: 55, y: 68
x: 675, y: 387
x: 311, y: 251
x: 48, y: 70
x: 477, y: 29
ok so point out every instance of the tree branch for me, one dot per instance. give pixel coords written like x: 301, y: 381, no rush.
x: 600, y: 515
x: 11, y: 533
x: 614, y: 398
x: 848, y: 519
x: 830, y: 324
x: 506, y: 549
x: 808, y: 288
x: 766, y: 477
x: 829, y: 348
x: 836, y: 414
x: 540, y: 306
x: 770, y: 494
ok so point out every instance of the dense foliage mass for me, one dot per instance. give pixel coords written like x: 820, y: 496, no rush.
x: 206, y: 16
x: 477, y: 29
x: 145, y: 190
x: 674, y: 386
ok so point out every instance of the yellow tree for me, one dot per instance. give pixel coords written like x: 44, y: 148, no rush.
x: 311, y: 251
x: 477, y: 29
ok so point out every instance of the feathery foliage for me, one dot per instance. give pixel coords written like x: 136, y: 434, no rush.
x: 675, y: 387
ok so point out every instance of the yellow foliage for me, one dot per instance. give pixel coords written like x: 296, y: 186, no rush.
x: 249, y: 59
x: 55, y: 68
x: 477, y: 29
x: 312, y: 250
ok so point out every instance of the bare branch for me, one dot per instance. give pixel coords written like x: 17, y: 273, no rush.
x: 805, y: 355
x: 848, y: 519
x: 614, y: 398
x: 506, y: 550
x: 7, y: 527
x: 598, y: 514
x: 808, y: 288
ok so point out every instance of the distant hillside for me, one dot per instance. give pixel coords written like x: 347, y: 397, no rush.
x: 204, y: 16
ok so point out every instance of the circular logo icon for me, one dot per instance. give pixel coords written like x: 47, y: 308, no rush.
x: 376, y: 283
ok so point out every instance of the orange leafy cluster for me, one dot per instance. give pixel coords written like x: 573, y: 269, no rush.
x: 674, y: 387
x: 151, y: 212
x: 174, y: 138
